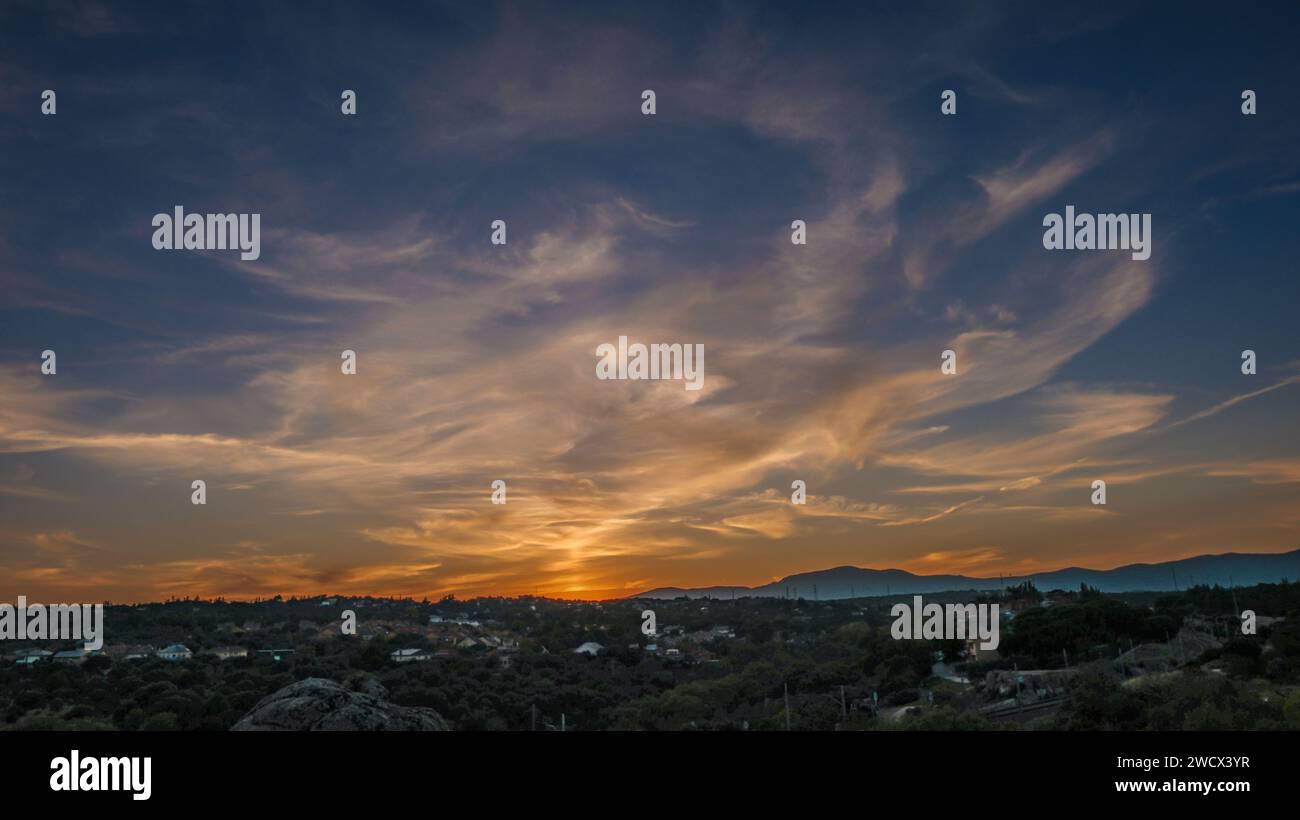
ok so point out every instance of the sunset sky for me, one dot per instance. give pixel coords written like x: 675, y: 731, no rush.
x: 477, y: 362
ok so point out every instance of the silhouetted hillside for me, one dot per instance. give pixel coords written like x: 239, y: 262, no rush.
x: 1241, y: 569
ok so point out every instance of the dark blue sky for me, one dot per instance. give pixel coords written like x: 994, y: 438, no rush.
x: 476, y: 361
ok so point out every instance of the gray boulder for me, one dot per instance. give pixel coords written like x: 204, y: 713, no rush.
x: 316, y: 704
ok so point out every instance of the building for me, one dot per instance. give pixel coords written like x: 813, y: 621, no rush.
x: 227, y: 652
x: 276, y: 655
x: 589, y: 648
x: 408, y: 655
x: 175, y: 652
x: 27, y: 657
x: 129, y: 652
x: 71, y: 656
x: 370, y: 631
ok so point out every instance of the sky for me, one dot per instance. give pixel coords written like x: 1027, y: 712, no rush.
x: 476, y: 362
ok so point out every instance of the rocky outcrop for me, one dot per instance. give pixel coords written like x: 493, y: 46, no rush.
x: 316, y: 704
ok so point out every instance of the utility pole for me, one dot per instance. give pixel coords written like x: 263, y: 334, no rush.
x: 534, y: 717
x: 563, y: 722
x: 844, y: 709
x: 786, y: 686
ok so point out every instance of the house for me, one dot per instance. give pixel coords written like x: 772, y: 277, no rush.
x: 589, y: 648
x: 370, y: 631
x: 129, y: 652
x: 408, y: 655
x: 274, y: 654
x: 175, y: 652
x: 227, y: 652
x: 467, y: 643
x: 39, y: 654
x: 71, y: 656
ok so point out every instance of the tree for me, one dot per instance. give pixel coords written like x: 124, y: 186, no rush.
x: 161, y: 722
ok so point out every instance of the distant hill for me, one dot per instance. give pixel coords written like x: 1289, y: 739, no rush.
x: 1241, y: 569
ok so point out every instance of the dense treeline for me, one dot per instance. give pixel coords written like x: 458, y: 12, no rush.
x: 1192, y: 701
x: 1084, y: 629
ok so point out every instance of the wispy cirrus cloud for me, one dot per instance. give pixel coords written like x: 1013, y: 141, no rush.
x: 476, y: 361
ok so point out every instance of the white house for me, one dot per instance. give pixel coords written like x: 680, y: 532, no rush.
x: 408, y: 655
x: 175, y: 652
x: 589, y: 648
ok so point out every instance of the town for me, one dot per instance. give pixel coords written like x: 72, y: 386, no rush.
x: 1067, y: 659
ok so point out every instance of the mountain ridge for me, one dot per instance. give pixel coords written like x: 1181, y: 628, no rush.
x: 1224, y: 569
